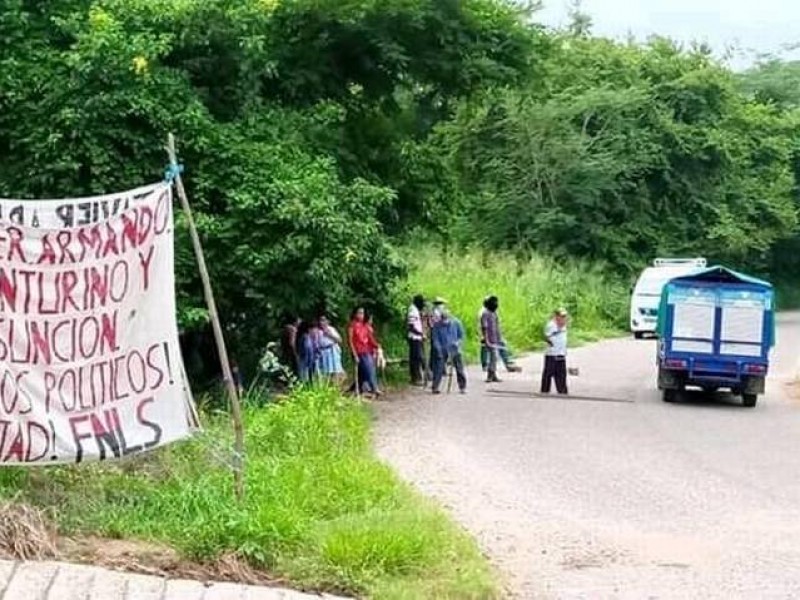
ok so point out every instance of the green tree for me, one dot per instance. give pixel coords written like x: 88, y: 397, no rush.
x: 303, y: 126
x: 90, y: 91
x: 628, y: 152
x: 773, y: 80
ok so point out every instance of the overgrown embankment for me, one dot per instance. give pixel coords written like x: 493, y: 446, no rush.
x: 528, y: 291
x: 321, y: 512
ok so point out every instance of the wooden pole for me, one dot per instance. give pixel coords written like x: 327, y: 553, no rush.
x: 233, y: 396
x: 449, y: 375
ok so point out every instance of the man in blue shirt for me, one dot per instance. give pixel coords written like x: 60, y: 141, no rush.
x: 447, y: 339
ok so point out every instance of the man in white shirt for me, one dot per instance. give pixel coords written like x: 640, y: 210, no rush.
x: 416, y: 338
x: 555, y: 359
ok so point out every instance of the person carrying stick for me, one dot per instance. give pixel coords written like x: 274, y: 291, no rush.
x: 447, y: 340
x: 493, y: 338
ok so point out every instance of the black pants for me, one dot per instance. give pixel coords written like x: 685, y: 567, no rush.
x: 416, y: 360
x: 555, y: 367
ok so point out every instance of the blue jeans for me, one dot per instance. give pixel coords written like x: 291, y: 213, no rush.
x: 505, y: 356
x: 306, y: 369
x: 367, y: 373
x: 440, y: 364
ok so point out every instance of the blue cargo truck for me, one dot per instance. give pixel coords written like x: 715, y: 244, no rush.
x: 716, y: 328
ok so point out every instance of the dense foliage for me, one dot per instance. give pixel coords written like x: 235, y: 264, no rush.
x: 316, y: 133
x: 631, y: 152
x: 777, y: 83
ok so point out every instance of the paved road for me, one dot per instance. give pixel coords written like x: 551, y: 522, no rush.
x: 623, y: 498
x: 61, y: 581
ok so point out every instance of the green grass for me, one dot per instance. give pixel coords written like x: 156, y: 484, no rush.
x: 321, y: 510
x: 528, y: 294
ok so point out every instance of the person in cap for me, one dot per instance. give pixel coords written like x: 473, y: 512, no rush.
x: 437, y: 310
x: 416, y: 339
x: 433, y: 317
x: 555, y: 358
x: 447, y: 339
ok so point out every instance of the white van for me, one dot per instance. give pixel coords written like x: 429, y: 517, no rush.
x: 646, y: 295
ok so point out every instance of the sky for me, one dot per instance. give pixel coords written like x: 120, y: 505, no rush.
x: 753, y: 26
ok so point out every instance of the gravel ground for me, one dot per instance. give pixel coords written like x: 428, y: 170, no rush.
x: 617, y: 494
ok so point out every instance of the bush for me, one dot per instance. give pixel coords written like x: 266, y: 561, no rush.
x: 320, y: 510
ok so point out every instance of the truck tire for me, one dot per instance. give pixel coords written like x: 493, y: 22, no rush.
x: 670, y: 395
x: 750, y: 400
x: 638, y: 335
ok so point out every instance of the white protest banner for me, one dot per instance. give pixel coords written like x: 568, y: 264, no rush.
x: 75, y: 212
x: 89, y: 357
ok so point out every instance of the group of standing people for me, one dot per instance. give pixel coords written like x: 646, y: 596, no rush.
x: 312, y: 350
x: 446, y: 335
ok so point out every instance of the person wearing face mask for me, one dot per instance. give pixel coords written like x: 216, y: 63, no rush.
x: 432, y: 318
x: 436, y: 311
x: 555, y: 359
x: 447, y: 339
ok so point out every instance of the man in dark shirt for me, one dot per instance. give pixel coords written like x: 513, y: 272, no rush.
x: 503, y: 352
x: 490, y: 330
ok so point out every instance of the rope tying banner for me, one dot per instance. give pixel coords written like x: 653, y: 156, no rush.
x: 172, y: 172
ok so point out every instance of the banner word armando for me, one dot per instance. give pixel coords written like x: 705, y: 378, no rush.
x: 90, y: 366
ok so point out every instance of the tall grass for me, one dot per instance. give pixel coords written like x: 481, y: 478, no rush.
x: 529, y: 292
x: 320, y: 510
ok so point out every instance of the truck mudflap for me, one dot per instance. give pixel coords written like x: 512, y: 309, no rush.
x: 669, y: 380
x: 753, y: 385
